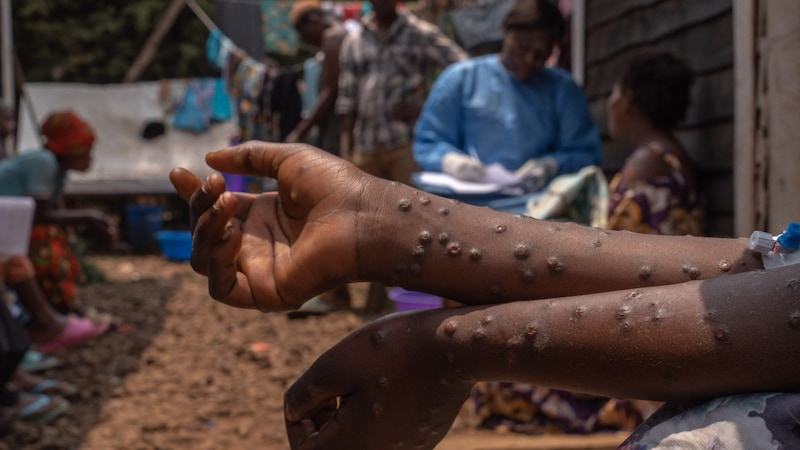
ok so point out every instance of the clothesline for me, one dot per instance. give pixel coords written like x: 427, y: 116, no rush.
x: 198, y: 11
x: 209, y: 23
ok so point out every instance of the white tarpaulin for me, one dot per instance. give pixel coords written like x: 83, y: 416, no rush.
x: 123, y: 161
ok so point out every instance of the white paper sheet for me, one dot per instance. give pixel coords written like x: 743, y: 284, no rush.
x: 496, y: 180
x: 16, y: 220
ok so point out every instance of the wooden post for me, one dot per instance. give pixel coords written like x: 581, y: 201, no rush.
x: 578, y: 49
x: 767, y: 164
x: 745, y: 72
x: 782, y: 63
x: 149, y: 49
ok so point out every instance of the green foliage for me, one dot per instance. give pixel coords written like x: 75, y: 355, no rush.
x: 93, y: 41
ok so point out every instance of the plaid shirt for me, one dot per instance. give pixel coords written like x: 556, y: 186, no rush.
x: 377, y: 74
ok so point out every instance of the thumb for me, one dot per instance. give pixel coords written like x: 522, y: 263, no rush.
x: 255, y: 158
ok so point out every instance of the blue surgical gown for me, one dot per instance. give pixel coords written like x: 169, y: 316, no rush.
x: 477, y: 106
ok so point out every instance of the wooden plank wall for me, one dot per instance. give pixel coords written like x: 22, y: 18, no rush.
x: 701, y: 32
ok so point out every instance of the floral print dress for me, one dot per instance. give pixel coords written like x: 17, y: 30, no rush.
x: 660, y: 205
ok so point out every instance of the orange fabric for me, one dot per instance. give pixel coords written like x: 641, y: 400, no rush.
x: 67, y: 134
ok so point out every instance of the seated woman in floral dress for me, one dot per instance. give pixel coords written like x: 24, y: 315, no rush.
x: 656, y: 190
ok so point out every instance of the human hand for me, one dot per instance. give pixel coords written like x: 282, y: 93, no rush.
x: 462, y: 166
x: 273, y: 251
x: 18, y: 268
x: 387, y: 385
x: 536, y: 173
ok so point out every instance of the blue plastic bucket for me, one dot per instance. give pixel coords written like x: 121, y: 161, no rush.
x: 143, y: 222
x: 175, y: 245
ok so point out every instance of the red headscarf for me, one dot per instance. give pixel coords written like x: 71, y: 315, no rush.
x: 67, y: 134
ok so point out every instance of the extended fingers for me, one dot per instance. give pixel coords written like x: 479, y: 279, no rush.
x: 316, y: 432
x: 225, y: 282
x: 185, y: 183
x: 327, y: 429
x: 200, y: 195
x: 210, y: 228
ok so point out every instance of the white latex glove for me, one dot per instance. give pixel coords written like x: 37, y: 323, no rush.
x: 537, y: 172
x: 462, y: 166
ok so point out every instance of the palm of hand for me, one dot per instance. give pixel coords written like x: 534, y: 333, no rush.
x: 287, y: 260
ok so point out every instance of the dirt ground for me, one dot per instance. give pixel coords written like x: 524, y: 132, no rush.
x: 185, y: 372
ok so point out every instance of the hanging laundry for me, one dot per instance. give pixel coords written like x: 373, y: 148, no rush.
x: 205, y: 101
x: 250, y: 87
x: 218, y: 49
x: 244, y: 80
x: 280, y: 37
x: 221, y: 108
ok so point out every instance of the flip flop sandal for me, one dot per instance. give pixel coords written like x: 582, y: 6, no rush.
x: 77, y: 331
x: 54, y: 387
x: 34, y: 361
x: 43, y: 409
x: 313, y: 307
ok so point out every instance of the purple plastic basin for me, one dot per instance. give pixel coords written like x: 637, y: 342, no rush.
x: 411, y: 300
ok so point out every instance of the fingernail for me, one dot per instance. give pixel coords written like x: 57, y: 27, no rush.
x: 206, y: 187
x: 226, y: 234
x: 219, y: 205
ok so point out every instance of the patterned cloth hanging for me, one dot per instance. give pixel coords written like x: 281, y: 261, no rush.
x: 204, y: 102
x: 280, y: 37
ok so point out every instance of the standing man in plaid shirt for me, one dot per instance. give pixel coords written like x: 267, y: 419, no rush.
x: 384, y: 70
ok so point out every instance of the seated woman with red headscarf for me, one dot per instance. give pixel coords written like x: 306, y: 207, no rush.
x: 41, y: 174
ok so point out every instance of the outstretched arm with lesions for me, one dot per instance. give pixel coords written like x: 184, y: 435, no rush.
x: 399, y: 382
x: 330, y: 223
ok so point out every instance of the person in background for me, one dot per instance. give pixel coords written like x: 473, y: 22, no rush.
x: 656, y: 190
x: 49, y: 330
x: 22, y: 395
x: 383, y: 74
x: 694, y: 321
x: 510, y: 109
x: 384, y: 71
x: 319, y: 29
x: 42, y: 174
